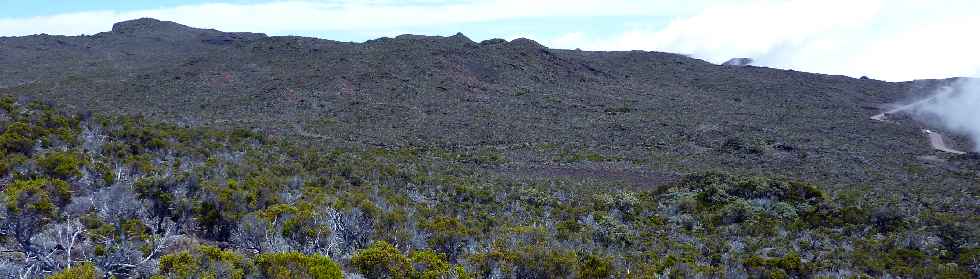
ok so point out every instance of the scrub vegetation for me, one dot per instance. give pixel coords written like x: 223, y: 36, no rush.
x: 157, y: 150
x: 101, y: 196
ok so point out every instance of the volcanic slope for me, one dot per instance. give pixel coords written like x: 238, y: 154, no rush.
x: 643, y: 117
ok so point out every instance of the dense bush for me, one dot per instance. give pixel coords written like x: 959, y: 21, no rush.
x: 382, y: 260
x: 84, y: 271
x: 203, y: 261
x: 17, y: 137
x: 595, y: 267
x: 296, y: 265
x: 61, y: 164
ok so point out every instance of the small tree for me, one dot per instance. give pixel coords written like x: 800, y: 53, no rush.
x: 30, y: 205
x: 382, y: 260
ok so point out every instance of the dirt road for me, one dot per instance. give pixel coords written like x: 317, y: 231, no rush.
x: 939, y: 143
x: 884, y: 115
x: 936, y: 140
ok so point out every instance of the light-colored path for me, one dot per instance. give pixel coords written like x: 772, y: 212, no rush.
x: 939, y: 143
x: 884, y: 115
x: 936, y: 140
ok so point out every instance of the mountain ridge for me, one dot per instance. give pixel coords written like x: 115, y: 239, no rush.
x: 630, y: 106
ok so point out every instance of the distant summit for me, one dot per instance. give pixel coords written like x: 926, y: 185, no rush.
x: 172, y: 31
x: 145, y: 25
x: 738, y: 62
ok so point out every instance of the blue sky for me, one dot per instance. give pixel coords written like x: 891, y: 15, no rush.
x: 29, y: 8
x: 507, y: 27
x: 885, y: 39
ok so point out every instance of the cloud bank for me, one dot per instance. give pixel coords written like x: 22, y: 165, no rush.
x: 890, y: 40
x: 957, y: 107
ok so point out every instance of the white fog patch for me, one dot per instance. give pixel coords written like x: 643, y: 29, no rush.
x: 957, y: 108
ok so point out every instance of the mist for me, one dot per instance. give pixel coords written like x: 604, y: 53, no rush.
x: 957, y: 107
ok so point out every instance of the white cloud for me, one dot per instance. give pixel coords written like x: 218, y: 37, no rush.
x: 569, y: 40
x: 892, y: 40
x: 955, y: 107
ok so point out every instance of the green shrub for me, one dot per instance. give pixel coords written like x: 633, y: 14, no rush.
x: 18, y: 137
x: 84, y: 271
x: 179, y: 265
x: 488, y: 156
x: 717, y: 188
x: 298, y: 221
x: 537, y: 261
x: 9, y: 161
x: 854, y: 215
x: 567, y: 229
x: 448, y: 235
x: 382, y: 260
x: 297, y: 265
x: 7, y: 104
x: 593, y: 266
x: 735, y: 212
x: 431, y: 265
x: 38, y: 197
x: 203, y: 261
x: 61, y: 164
x: 783, y: 267
x: 105, y: 172
x: 888, y: 219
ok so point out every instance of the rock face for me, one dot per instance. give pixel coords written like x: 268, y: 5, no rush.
x: 738, y: 62
x: 635, y: 108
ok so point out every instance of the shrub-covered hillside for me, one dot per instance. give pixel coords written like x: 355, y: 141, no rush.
x: 640, y: 115
x: 94, y: 196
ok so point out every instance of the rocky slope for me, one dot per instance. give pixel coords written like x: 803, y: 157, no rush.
x: 554, y: 112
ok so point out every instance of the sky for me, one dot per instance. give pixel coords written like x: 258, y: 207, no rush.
x: 891, y: 40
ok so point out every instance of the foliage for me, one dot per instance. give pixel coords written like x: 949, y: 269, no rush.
x: 17, y: 137
x: 61, y: 164
x: 595, y: 266
x: 137, y: 198
x: 448, y: 235
x: 382, y: 260
x: 40, y: 198
x: 296, y: 265
x: 84, y: 271
x: 203, y: 261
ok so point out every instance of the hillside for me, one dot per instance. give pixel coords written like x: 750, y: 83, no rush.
x: 644, y: 159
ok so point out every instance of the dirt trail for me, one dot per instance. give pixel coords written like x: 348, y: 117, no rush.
x: 884, y: 115
x: 936, y: 140
x: 939, y: 143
